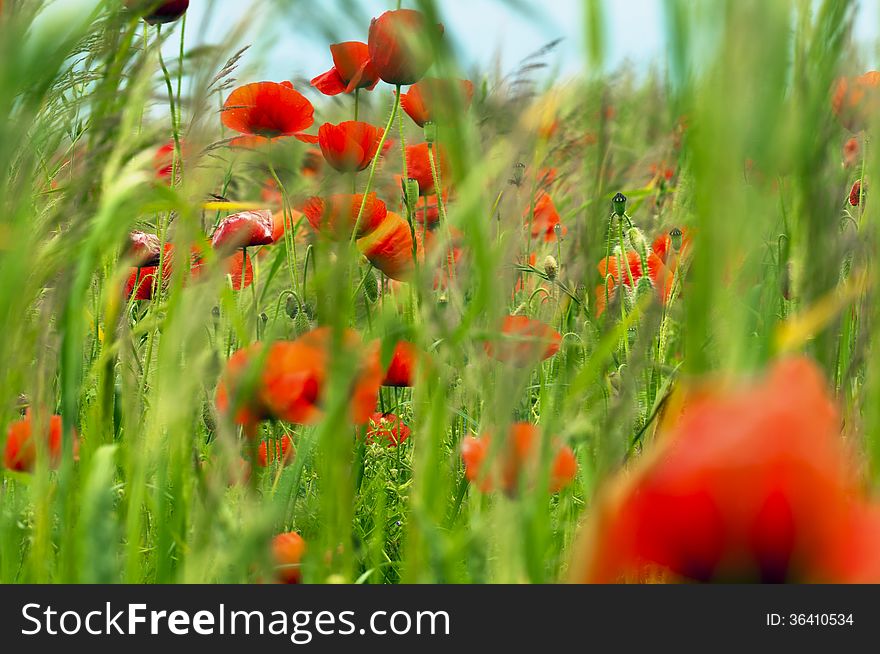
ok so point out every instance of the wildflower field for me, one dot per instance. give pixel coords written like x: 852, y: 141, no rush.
x: 412, y: 320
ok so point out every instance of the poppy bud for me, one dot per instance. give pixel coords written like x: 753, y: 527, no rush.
x: 371, y: 286
x: 430, y: 132
x: 643, y: 287
x: 637, y: 239
x: 411, y: 193
x: 551, y: 267
x: 291, y: 307
x: 301, y: 323
x: 618, y: 204
x: 159, y: 12
x: 519, y: 170
x: 400, y: 45
x: 675, y: 239
x: 264, y: 317
x: 558, y: 231
x: 856, y: 193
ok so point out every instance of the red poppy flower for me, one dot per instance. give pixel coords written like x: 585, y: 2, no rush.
x: 336, y: 216
x: 611, y: 266
x: 662, y: 276
x: 430, y: 214
x: 524, y: 342
x: 20, y: 453
x: 144, y: 249
x: 435, y: 100
x: 448, y: 256
x: 165, y: 12
x: 855, y: 100
x: 140, y: 282
x: 390, y: 247
x: 516, y: 462
x: 290, y: 377
x: 387, y: 428
x: 242, y: 230
x: 351, y: 70
x: 268, y: 110
x: 418, y: 167
x: 238, y: 266
x: 281, y: 221
x: 275, y: 451
x: 400, y: 45
x: 746, y: 484
x: 287, y: 552
x: 545, y: 220
x: 851, y: 152
x: 401, y: 370
x: 163, y: 160
x: 349, y: 146
x: 855, y: 193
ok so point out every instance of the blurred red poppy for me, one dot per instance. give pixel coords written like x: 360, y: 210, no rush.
x: 351, y: 70
x: 663, y: 245
x: 402, y: 367
x: 268, y: 110
x: 851, y: 152
x: 287, y: 553
x: 400, y: 45
x: 390, y: 248
x: 418, y: 167
x: 434, y: 100
x: 275, y: 451
x: 20, y: 453
x: 746, y: 484
x: 141, y: 280
x: 238, y: 266
x: 336, y: 215
x: 283, y: 220
x: 312, y: 162
x: 856, y: 99
x: 159, y: 12
x: 289, y: 377
x: 387, y: 428
x: 855, y: 193
x: 516, y: 461
x: 546, y: 219
x: 349, y: 146
x: 163, y: 160
x: 524, y: 341
x: 143, y: 249
x: 242, y: 230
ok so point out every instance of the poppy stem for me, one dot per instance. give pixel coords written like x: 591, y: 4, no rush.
x: 373, y: 165
x: 441, y: 211
x: 357, y: 102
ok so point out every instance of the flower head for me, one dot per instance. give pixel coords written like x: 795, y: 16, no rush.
x: 524, y: 341
x: 143, y: 249
x: 158, y: 13
x: 387, y: 428
x: 349, y: 146
x: 418, y: 167
x: 287, y: 552
x: 20, y: 453
x: 335, y: 216
x: 400, y: 45
x: 351, y: 70
x: 401, y: 371
x: 272, y: 451
x: 242, y: 230
x: 516, y: 460
x: 390, y: 247
x: 434, y: 100
x: 268, y: 110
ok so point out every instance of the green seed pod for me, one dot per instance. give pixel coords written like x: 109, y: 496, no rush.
x: 371, y: 286
x: 291, y: 307
x: 411, y: 194
x: 675, y: 238
x: 551, y: 267
x: 301, y: 323
x: 618, y: 204
x: 430, y: 133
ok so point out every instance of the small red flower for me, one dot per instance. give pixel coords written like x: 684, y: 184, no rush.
x: 165, y: 12
x: 268, y: 110
x: 285, y: 380
x: 242, y: 230
x: 516, y: 461
x: 855, y: 193
x: 288, y: 551
x: 747, y: 483
x: 387, y: 428
x: 418, y: 167
x: 20, y: 453
x: 273, y: 451
x: 351, y: 70
x: 312, y: 162
x: 400, y: 45
x: 390, y: 248
x: 238, y: 266
x: 282, y: 221
x: 855, y: 100
x: 851, y: 152
x: 163, y: 160
x: 402, y: 367
x: 611, y: 266
x: 524, y: 342
x: 435, y: 100
x: 545, y: 220
x: 140, y: 282
x: 350, y: 146
x: 335, y: 217
x: 143, y: 249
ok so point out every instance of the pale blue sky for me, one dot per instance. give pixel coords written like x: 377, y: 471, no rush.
x: 290, y: 37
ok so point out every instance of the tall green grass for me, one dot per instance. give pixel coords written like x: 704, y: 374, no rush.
x: 85, y: 99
